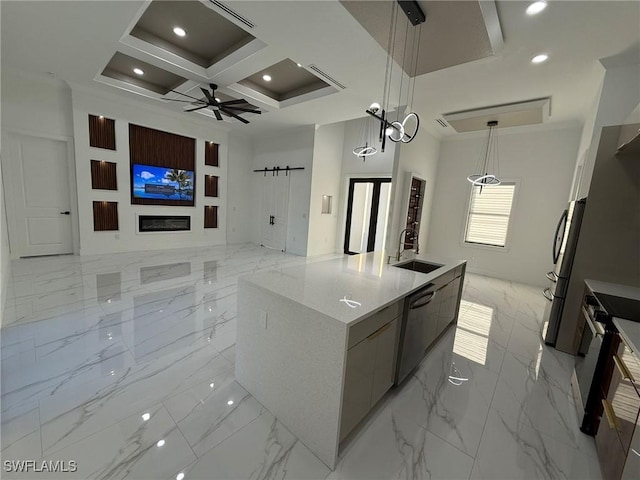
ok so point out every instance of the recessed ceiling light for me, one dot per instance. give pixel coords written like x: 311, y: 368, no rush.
x: 217, y: 100
x: 540, y: 58
x: 230, y: 402
x: 536, y: 7
x: 266, y: 78
x: 160, y: 443
x: 138, y: 71
x: 179, y: 31
x: 180, y: 476
x: 299, y: 64
x: 146, y: 416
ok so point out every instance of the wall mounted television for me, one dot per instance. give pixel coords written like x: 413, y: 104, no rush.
x: 156, y: 185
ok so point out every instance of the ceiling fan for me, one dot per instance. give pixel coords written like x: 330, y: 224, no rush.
x: 229, y: 108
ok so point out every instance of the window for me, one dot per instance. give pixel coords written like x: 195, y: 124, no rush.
x: 488, y: 217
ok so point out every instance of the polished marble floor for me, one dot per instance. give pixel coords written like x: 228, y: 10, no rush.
x: 124, y: 364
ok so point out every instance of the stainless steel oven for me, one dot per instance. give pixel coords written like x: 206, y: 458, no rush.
x: 589, y: 363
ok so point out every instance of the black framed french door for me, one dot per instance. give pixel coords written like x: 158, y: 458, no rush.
x: 367, y: 213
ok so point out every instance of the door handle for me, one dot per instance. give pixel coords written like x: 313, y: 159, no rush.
x: 65, y: 213
x: 272, y: 220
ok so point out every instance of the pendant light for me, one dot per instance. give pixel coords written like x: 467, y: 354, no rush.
x: 406, y: 129
x: 487, y: 167
x: 366, y: 146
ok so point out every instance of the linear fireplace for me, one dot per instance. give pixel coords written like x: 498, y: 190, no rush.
x: 163, y: 223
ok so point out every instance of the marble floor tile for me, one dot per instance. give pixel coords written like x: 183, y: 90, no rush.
x: 263, y: 449
x: 394, y: 447
x: 208, y: 413
x: 133, y: 448
x: 103, y: 356
x: 511, y: 450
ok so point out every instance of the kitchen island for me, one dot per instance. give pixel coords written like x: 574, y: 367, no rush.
x: 317, y: 344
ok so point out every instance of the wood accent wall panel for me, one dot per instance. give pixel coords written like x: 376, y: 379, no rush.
x: 102, y: 132
x: 210, y: 216
x: 210, y: 186
x: 105, y: 216
x: 211, y: 154
x: 148, y: 146
x: 103, y: 175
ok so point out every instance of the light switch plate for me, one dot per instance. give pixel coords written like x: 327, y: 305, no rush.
x: 263, y: 319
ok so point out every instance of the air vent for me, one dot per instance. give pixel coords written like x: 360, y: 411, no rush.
x: 233, y: 13
x: 441, y: 122
x: 327, y: 77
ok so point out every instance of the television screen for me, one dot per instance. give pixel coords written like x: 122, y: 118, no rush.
x: 162, y: 183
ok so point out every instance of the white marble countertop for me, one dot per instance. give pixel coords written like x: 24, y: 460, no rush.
x: 616, y: 289
x: 366, y: 279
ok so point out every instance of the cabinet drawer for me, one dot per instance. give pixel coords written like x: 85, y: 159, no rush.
x: 366, y: 327
x: 611, y: 455
x: 627, y: 362
x: 622, y: 404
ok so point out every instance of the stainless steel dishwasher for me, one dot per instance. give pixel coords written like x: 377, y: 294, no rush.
x: 419, y: 329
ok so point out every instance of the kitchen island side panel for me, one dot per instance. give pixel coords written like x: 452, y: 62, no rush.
x: 294, y: 366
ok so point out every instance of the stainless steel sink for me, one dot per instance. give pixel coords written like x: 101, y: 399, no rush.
x: 419, y: 266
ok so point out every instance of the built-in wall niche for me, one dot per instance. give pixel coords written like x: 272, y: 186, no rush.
x: 414, y: 210
x: 162, y: 167
x: 210, y: 186
x: 102, y: 132
x: 211, y: 150
x: 103, y: 175
x: 105, y: 216
x: 210, y: 216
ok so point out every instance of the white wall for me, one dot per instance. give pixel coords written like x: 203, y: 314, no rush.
x: 5, y: 262
x: 325, y: 180
x: 241, y: 212
x: 420, y: 157
x: 125, y: 111
x: 39, y: 107
x: 292, y: 147
x: 542, y: 160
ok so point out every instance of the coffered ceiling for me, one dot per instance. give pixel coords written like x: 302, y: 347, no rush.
x: 472, y: 54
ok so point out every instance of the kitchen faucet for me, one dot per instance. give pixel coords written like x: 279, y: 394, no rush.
x: 401, y: 243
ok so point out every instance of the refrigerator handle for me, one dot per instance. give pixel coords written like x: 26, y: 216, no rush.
x: 558, y: 245
x: 546, y: 293
x: 552, y: 276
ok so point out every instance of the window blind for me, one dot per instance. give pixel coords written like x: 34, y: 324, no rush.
x: 488, y: 217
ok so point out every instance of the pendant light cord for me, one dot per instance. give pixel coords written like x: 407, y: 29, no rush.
x: 415, y: 66
x: 402, y: 71
x: 390, y: 50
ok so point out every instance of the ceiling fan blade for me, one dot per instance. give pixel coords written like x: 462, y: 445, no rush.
x: 197, y: 108
x: 231, y: 114
x: 177, y: 100
x: 239, y: 109
x: 234, y: 102
x: 180, y: 93
x: 208, y: 95
x: 217, y: 114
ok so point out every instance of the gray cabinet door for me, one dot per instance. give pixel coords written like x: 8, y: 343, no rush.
x: 384, y: 370
x: 358, y: 381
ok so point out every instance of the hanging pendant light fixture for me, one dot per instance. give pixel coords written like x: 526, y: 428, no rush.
x: 488, y: 162
x: 406, y: 129
x: 366, y: 146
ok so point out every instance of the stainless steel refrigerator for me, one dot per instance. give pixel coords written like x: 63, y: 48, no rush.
x: 565, y: 242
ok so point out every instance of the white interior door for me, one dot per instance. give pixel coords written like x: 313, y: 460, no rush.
x: 275, y: 206
x: 37, y: 170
